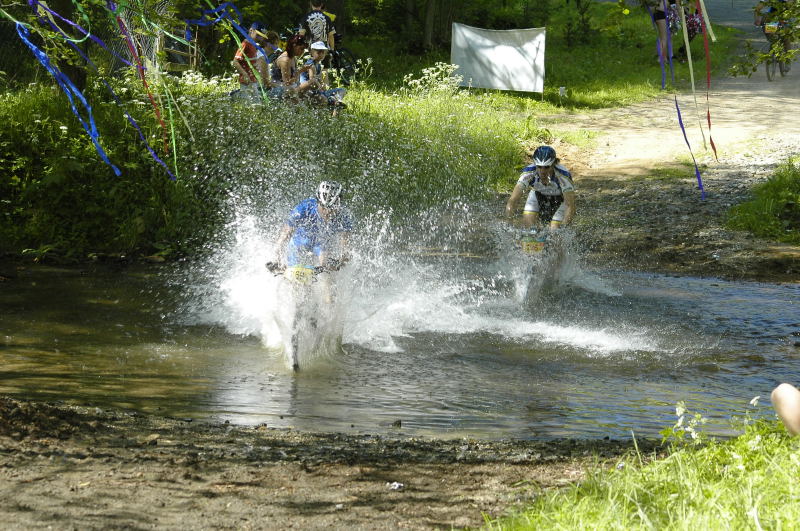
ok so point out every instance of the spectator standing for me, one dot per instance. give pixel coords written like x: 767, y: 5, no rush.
x: 318, y: 26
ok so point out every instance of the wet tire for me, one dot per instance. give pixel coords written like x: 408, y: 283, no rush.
x: 771, y: 65
x: 345, y: 62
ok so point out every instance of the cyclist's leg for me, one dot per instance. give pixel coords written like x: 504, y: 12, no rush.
x: 530, y: 213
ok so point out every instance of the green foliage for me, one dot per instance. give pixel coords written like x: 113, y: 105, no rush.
x: 774, y: 211
x: 58, y: 193
x: 410, y: 138
x: 748, y: 482
x: 749, y: 60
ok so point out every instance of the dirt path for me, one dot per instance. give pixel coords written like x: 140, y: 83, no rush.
x: 631, y: 219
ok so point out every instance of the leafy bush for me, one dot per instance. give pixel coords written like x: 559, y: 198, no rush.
x: 774, y: 212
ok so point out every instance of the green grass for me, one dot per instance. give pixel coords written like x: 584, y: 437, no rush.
x: 618, y: 67
x: 403, y: 144
x: 682, y: 169
x: 749, y: 482
x: 774, y: 211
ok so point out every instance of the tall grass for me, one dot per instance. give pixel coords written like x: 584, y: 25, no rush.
x: 404, y: 143
x: 749, y: 482
x: 774, y: 211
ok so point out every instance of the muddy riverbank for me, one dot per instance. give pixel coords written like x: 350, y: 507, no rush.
x: 66, y: 467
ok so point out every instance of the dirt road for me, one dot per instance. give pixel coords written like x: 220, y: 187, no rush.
x: 631, y: 219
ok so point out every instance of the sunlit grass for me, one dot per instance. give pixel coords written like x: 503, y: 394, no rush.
x: 749, y: 482
x: 774, y: 211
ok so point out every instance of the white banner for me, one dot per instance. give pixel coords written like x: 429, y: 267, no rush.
x: 499, y: 59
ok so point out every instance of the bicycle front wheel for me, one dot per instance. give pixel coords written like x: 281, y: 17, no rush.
x: 783, y: 66
x: 345, y: 62
x: 771, y: 65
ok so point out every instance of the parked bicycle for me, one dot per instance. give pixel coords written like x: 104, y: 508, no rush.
x: 346, y: 64
x: 773, y: 61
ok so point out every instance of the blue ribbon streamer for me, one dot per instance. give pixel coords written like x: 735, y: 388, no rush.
x: 222, y: 13
x: 120, y: 104
x: 111, y: 90
x: 658, y: 48
x: 72, y: 93
x: 686, y: 139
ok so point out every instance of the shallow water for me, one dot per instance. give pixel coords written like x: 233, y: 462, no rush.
x: 446, y: 349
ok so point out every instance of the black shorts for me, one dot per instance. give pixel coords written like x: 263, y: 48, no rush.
x: 548, y: 205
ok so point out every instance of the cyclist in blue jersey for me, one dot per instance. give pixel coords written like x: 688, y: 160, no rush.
x: 317, y: 228
x: 551, y: 199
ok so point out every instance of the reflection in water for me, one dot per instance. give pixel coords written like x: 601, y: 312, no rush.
x: 437, y: 342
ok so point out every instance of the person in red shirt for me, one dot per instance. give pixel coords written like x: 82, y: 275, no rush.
x: 250, y: 63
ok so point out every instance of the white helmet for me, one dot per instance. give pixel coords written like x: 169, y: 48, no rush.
x: 329, y: 194
x: 544, y: 156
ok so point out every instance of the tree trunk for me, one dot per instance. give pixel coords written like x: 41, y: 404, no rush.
x: 76, y: 72
x: 338, y: 8
x: 430, y: 16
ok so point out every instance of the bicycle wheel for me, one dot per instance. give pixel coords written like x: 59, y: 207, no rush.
x: 770, y: 64
x: 345, y: 62
x: 783, y: 66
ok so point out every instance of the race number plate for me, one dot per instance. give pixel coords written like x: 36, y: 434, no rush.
x: 771, y: 27
x: 299, y: 274
x: 531, y: 245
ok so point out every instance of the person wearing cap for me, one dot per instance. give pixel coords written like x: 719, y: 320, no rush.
x: 317, y: 25
x: 314, y: 83
x: 250, y: 63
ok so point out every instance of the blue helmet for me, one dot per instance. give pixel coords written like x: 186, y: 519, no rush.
x: 258, y: 26
x: 544, y: 156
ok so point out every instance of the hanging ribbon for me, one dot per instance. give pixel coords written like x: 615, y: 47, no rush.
x: 658, y: 48
x: 140, y: 68
x: 72, y: 93
x: 691, y: 69
x: 699, y: 9
x: 116, y: 100
x: 686, y: 139
x: 37, y: 6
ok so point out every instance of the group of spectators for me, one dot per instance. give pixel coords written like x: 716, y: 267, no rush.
x: 284, y: 78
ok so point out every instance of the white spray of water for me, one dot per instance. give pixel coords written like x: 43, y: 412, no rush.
x: 390, y: 291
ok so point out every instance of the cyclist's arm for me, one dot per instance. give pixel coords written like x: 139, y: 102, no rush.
x: 511, y: 205
x: 331, y: 40
x: 569, y: 213
x: 283, y: 238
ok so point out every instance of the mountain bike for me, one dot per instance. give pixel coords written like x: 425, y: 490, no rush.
x: 545, y: 254
x: 346, y: 63
x: 306, y: 309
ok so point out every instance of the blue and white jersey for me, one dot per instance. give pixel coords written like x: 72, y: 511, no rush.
x: 305, y: 77
x: 560, y: 182
x: 313, y: 232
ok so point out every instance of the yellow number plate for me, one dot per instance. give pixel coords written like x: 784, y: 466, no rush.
x: 531, y: 246
x: 771, y: 27
x: 299, y: 274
